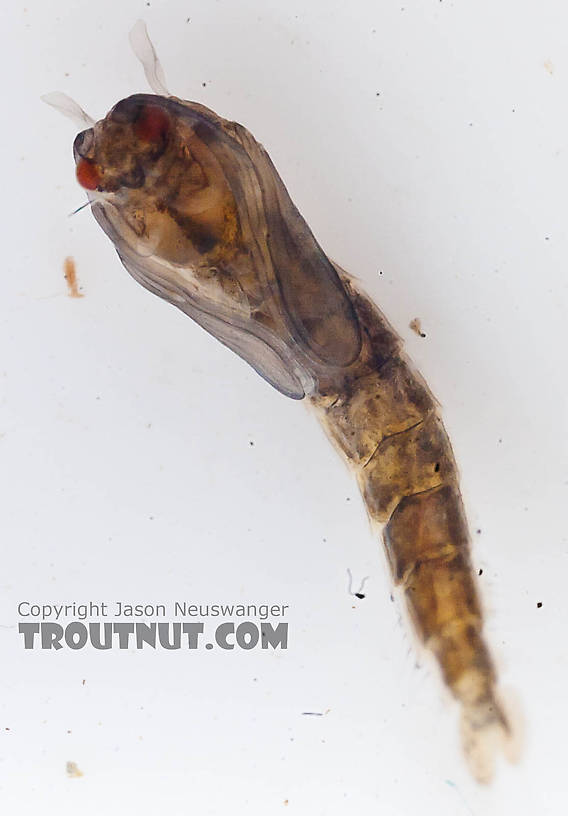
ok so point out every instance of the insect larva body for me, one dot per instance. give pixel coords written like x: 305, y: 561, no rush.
x: 387, y: 425
x: 199, y: 216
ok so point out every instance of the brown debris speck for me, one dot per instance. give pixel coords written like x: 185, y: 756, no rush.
x: 70, y: 273
x: 416, y: 327
x: 549, y: 66
x: 73, y: 771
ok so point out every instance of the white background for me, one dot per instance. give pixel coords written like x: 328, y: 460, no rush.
x: 422, y: 139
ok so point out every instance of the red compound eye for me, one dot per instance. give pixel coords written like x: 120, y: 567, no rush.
x: 152, y: 125
x: 87, y: 175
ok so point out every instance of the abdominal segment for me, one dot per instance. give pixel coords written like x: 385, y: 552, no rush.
x: 386, y: 423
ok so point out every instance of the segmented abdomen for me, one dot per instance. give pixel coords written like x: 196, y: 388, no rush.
x: 386, y: 422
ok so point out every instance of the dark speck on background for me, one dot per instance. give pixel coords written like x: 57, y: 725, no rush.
x: 539, y: 605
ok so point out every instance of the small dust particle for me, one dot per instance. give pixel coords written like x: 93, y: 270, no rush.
x: 204, y: 84
x: 359, y: 595
x: 478, y: 531
x: 83, y: 683
x: 251, y: 443
x: 70, y: 274
x: 480, y: 571
x: 416, y: 327
x: 539, y: 605
x: 73, y: 771
x: 549, y: 66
